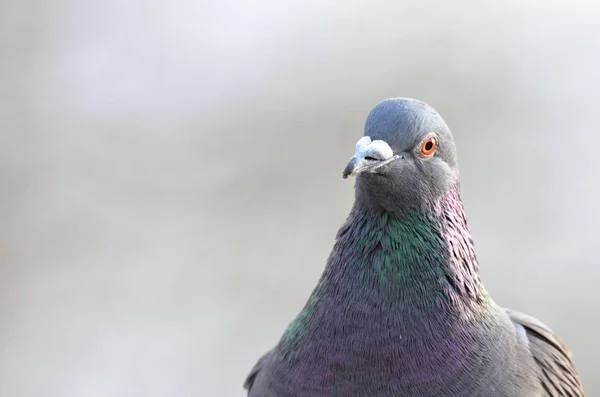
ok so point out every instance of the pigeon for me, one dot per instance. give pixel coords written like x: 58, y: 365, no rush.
x: 400, y: 309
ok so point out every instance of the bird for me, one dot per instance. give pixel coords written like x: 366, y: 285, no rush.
x: 400, y: 309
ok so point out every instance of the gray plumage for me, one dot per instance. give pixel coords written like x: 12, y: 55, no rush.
x: 400, y: 309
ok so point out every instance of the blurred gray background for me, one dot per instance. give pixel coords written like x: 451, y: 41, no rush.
x: 170, y: 172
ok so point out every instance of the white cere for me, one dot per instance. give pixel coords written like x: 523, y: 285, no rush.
x: 362, y: 142
x: 377, y: 149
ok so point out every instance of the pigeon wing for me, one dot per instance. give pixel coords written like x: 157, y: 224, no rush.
x: 557, y: 372
x: 255, y: 370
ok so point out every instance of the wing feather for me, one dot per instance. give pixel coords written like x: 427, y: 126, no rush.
x: 558, y: 375
x: 255, y: 370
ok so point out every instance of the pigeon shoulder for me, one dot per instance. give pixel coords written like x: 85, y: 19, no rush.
x: 557, y: 372
x: 260, y: 364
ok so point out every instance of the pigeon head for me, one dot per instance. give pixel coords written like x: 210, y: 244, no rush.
x: 406, y: 158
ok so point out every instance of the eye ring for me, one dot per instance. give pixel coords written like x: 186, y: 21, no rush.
x: 428, y: 146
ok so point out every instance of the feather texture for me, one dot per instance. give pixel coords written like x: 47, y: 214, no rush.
x: 557, y: 372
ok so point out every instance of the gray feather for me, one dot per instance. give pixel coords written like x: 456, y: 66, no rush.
x: 556, y: 369
x: 255, y: 370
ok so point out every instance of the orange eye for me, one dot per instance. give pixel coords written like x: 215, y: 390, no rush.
x: 428, y: 146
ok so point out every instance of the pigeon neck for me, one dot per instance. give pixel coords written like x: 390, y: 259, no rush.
x: 418, y: 255
x: 412, y: 272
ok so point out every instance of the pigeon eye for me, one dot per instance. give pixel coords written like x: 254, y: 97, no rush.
x: 428, y: 147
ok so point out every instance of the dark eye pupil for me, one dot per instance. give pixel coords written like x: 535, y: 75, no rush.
x: 429, y: 146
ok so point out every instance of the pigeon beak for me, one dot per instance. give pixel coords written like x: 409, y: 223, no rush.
x: 369, y: 157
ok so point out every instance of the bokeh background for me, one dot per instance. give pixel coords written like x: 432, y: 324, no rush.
x: 170, y: 172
